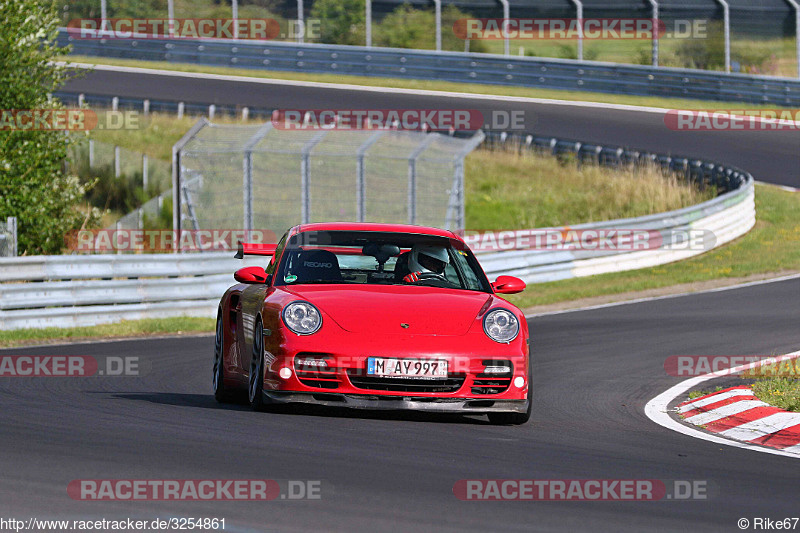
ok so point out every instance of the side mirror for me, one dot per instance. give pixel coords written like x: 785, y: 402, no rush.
x: 508, y: 285
x: 250, y: 275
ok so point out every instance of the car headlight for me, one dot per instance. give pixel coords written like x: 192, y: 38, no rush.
x: 501, y: 325
x: 302, y: 318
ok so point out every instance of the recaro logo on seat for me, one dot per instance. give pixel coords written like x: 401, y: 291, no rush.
x: 315, y: 264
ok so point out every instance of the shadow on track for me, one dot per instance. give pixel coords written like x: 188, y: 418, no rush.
x: 206, y: 401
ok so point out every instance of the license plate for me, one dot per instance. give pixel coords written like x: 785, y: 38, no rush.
x: 406, y: 368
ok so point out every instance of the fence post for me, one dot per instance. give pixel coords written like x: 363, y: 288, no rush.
x: 117, y: 169
x: 656, y: 29
x: 368, y: 17
x: 146, y: 107
x: 115, y: 103
x: 579, y: 9
x: 438, y: 14
x: 506, y: 15
x: 144, y: 173
x: 726, y: 13
x: 11, y: 224
x: 212, y: 109
x: 796, y: 7
x: 181, y: 106
x: 305, y: 177
x: 91, y: 152
x: 301, y: 25
x: 81, y: 99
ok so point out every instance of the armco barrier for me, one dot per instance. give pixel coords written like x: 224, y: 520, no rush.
x: 491, y: 69
x: 79, y: 290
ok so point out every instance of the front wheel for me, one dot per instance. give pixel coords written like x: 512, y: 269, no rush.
x: 256, y: 386
x: 512, y: 419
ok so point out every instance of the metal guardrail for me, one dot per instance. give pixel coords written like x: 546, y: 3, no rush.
x: 490, y: 69
x: 52, y: 291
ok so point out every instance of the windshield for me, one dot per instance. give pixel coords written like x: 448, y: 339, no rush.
x: 379, y: 258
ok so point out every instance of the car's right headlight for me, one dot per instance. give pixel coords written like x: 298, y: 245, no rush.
x: 302, y: 318
x: 501, y: 325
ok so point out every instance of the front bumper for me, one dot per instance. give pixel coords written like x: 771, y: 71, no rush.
x: 409, y: 403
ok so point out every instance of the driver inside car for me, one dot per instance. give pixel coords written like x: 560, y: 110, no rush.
x: 426, y: 261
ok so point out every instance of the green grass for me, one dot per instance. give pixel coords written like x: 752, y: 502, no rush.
x: 772, y: 246
x: 783, y: 392
x: 508, y: 190
x: 128, y: 328
x: 471, y: 88
x: 698, y: 393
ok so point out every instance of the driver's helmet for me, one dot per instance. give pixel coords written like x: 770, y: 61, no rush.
x: 428, y: 258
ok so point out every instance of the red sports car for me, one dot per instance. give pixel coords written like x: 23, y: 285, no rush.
x: 375, y: 316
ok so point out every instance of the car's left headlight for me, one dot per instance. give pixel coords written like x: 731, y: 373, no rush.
x: 501, y: 325
x: 302, y: 318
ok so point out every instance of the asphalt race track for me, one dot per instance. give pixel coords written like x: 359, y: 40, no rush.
x: 772, y: 156
x: 593, y: 372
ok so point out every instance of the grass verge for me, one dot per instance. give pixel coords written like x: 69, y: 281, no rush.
x: 773, y: 245
x: 128, y: 328
x: 471, y: 88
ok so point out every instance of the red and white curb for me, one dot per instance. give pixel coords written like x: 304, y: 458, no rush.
x: 731, y: 417
x: 736, y: 413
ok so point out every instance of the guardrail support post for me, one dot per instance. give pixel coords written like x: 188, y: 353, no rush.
x: 146, y: 107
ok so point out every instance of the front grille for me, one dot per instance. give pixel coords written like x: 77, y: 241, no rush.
x: 325, y: 377
x: 449, y: 384
x: 493, y: 383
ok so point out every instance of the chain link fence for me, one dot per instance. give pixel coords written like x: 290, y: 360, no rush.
x: 247, y: 177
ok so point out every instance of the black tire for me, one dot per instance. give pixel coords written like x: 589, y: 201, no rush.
x: 255, y: 388
x: 512, y: 419
x: 221, y: 393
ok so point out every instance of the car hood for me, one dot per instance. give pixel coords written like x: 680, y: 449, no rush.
x: 383, y: 310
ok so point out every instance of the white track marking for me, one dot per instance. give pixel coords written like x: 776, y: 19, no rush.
x: 725, y: 411
x: 657, y: 410
x: 763, y: 426
x: 701, y: 402
x: 792, y: 449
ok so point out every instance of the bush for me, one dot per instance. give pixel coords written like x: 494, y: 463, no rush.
x: 33, y: 184
x: 341, y: 21
x: 406, y: 27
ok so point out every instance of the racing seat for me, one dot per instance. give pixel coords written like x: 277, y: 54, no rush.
x: 318, y: 265
x: 401, y: 267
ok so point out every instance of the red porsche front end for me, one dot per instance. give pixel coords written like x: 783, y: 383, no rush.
x: 374, y: 316
x: 397, y: 347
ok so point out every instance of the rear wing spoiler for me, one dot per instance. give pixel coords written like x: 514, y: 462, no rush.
x: 254, y: 248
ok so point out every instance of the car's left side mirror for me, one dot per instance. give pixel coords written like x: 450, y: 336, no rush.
x: 250, y: 275
x: 508, y: 285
